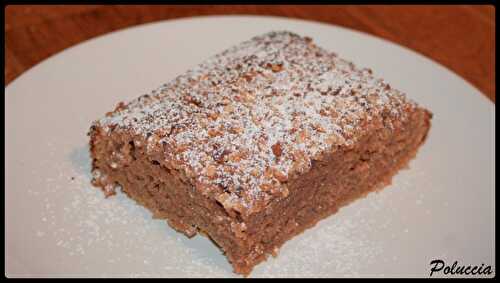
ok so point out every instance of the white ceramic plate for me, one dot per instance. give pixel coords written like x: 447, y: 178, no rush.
x: 57, y: 224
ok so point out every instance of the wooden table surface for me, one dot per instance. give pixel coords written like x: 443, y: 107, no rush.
x: 461, y: 38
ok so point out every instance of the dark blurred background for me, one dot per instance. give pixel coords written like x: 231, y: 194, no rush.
x: 460, y: 37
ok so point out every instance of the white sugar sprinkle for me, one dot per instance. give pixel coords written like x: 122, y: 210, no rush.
x: 256, y: 113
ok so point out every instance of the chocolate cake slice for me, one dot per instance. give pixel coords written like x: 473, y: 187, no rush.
x: 257, y: 144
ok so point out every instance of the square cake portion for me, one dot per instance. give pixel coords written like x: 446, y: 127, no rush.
x: 257, y: 144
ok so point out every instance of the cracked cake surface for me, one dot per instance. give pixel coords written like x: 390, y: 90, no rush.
x: 245, y: 122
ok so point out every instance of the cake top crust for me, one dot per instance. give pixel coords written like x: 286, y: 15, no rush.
x: 244, y: 122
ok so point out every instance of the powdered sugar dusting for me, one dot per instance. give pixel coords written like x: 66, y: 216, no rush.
x: 246, y: 120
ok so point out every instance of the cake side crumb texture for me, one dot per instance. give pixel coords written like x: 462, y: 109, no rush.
x: 246, y: 121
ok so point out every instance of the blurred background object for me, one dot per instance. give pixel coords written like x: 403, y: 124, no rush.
x: 460, y: 37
